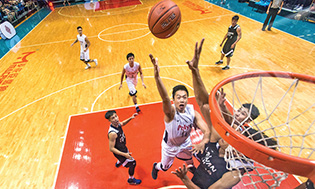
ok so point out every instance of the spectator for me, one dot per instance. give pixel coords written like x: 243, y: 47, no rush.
x: 274, y: 8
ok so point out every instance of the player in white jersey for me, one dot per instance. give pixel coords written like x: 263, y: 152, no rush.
x: 131, y: 70
x: 84, y: 45
x: 179, y: 119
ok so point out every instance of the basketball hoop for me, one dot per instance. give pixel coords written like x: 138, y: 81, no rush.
x: 294, y: 158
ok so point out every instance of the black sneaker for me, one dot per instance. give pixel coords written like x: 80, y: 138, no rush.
x: 226, y: 68
x: 219, y: 62
x: 134, y: 181
x: 138, y: 109
x: 263, y: 29
x: 269, y: 29
x: 192, y: 169
x: 154, y: 172
x: 118, y: 164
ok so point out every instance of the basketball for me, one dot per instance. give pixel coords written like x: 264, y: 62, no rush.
x: 164, y: 19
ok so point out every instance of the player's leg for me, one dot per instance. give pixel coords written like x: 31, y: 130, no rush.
x: 273, y: 13
x: 186, y: 155
x: 221, y: 58
x: 85, y: 58
x: 166, y: 161
x: 266, y: 21
x: 228, y: 53
x: 131, y: 83
x: 131, y: 164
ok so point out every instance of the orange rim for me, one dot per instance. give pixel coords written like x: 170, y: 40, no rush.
x: 262, y: 154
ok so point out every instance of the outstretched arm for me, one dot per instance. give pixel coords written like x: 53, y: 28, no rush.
x: 220, y: 96
x: 123, y: 123
x: 200, y: 91
x: 88, y: 44
x: 225, y: 37
x: 74, y: 42
x: 122, y: 78
x: 169, y: 111
x: 206, y: 133
x: 239, y: 36
x: 141, y: 75
x: 181, y: 173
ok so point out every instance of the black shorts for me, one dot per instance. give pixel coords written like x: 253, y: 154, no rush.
x: 211, y: 168
x: 227, y: 50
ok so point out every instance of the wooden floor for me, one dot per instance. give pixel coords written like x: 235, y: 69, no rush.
x: 52, y: 85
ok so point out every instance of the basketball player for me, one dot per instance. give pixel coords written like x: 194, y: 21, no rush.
x: 233, y: 36
x: 131, y: 70
x: 212, y: 172
x: 178, y: 119
x: 84, y: 52
x: 117, y: 144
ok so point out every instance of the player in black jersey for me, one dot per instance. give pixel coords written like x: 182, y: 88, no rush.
x: 117, y: 144
x: 233, y: 35
x: 212, y: 172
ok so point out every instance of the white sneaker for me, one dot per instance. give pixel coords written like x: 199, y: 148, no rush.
x: 95, y: 60
x: 87, y: 67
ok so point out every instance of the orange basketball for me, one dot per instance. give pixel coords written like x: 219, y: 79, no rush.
x: 164, y: 19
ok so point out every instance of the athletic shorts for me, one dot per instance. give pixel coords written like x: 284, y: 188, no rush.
x: 132, y: 83
x: 85, y: 56
x: 170, y: 152
x: 227, y: 50
x: 123, y: 159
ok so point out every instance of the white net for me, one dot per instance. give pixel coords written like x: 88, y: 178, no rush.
x: 286, y: 123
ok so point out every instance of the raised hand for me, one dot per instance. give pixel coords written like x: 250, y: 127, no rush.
x: 220, y: 96
x: 193, y: 64
x: 196, y: 148
x: 181, y: 173
x: 155, y: 64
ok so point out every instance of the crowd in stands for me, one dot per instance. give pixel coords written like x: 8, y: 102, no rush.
x: 298, y: 4
x: 11, y: 10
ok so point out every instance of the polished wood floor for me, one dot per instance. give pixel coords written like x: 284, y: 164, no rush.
x: 53, y: 84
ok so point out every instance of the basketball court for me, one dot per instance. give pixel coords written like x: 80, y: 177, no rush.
x: 54, y: 133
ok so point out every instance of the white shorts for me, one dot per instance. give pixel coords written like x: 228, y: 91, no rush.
x: 132, y: 83
x: 170, y: 152
x: 85, y: 56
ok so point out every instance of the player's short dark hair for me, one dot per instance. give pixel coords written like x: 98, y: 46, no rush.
x: 109, y: 114
x: 79, y: 27
x: 179, y: 88
x: 260, y: 137
x: 254, y: 113
x: 130, y: 55
x: 235, y: 17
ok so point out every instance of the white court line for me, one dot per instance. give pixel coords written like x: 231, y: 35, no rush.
x: 138, y: 78
x: 105, y: 13
x: 146, y: 28
x: 62, y: 149
x: 173, y: 186
x: 101, y: 78
x: 184, y: 22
